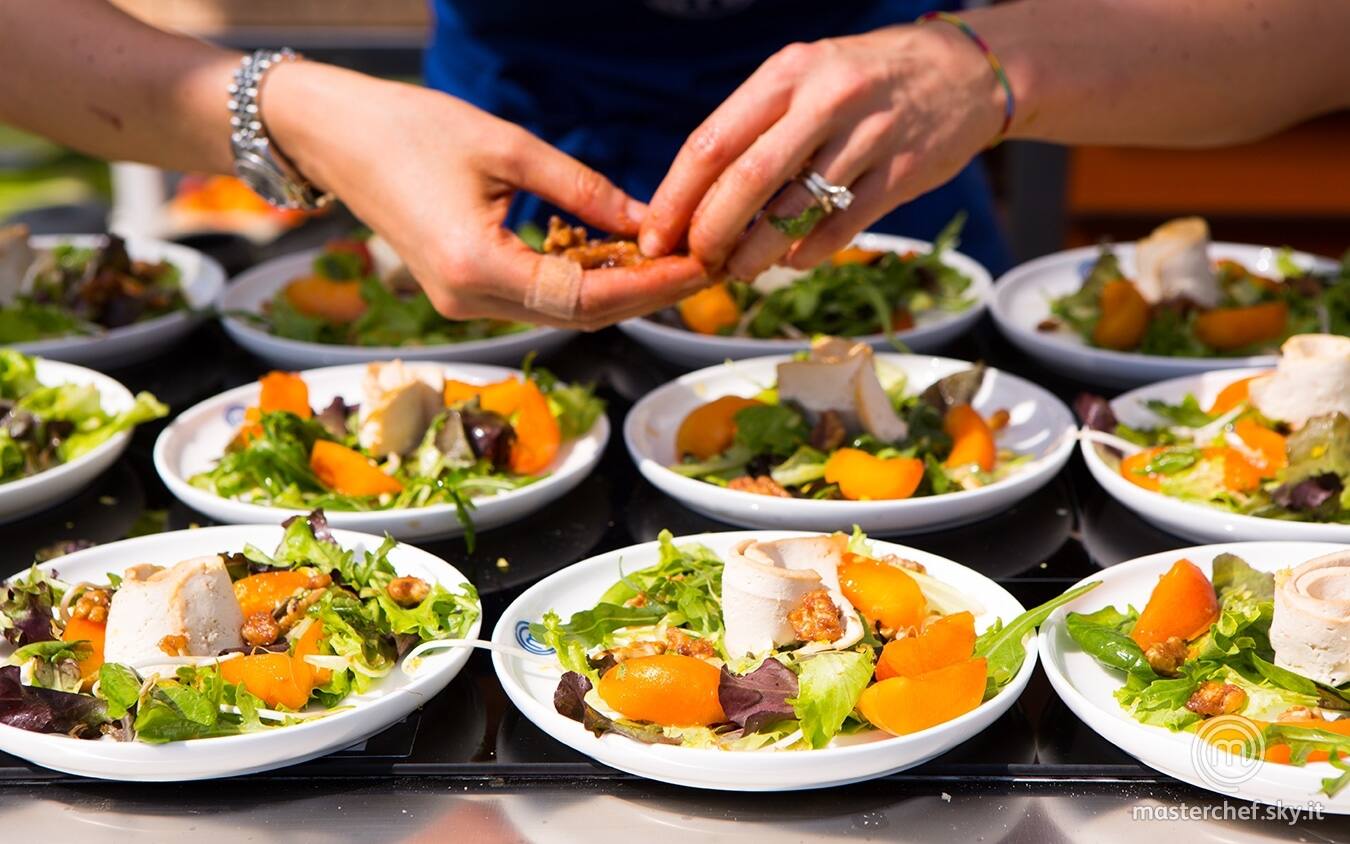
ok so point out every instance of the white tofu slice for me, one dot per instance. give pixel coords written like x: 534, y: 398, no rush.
x: 389, y: 267
x: 1173, y: 263
x: 776, y: 278
x: 400, y: 402
x: 193, y: 599
x: 16, y: 260
x: 1311, y: 379
x: 842, y: 377
x: 1310, y: 630
x: 763, y: 581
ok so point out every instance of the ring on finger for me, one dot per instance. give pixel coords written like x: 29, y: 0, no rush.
x: 828, y: 199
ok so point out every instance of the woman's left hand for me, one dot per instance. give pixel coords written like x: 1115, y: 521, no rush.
x: 890, y: 114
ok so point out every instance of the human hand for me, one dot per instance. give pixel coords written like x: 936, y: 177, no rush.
x: 890, y: 114
x: 435, y: 176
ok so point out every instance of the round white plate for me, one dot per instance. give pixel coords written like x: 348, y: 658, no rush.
x: 197, y: 438
x: 1088, y: 689
x: 1039, y: 424
x: 249, y: 290
x: 930, y: 332
x: 1194, y: 521
x: 202, y: 280
x: 388, y: 702
x: 848, y: 759
x: 1022, y: 297
x: 26, y: 496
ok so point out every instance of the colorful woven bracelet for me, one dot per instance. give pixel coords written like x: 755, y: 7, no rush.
x: 1009, y: 104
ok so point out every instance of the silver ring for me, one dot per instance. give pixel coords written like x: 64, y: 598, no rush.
x: 829, y: 197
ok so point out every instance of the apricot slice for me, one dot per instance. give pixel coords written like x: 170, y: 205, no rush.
x: 666, y: 689
x: 866, y: 477
x: 92, y: 632
x: 538, y: 434
x: 1280, y: 753
x: 1226, y: 329
x: 904, y: 705
x: 710, y: 310
x: 1124, y: 316
x: 710, y: 428
x: 972, y: 440
x: 943, y: 641
x: 284, y: 391
x: 349, y: 472
x: 1231, y: 396
x: 1271, y: 445
x: 1183, y: 604
x: 883, y: 593
x: 264, y: 592
x: 280, y: 679
x: 1132, y: 469
x: 339, y: 302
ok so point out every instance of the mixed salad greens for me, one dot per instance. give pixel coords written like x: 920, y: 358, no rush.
x: 76, y: 290
x: 680, y: 652
x: 857, y: 293
x: 1208, y: 647
x: 1233, y: 457
x: 1250, y: 314
x: 417, y: 439
x: 347, y: 300
x: 322, y: 623
x: 836, y: 426
x: 45, y: 425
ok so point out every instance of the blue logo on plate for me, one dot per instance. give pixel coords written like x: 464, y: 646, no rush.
x: 528, y: 642
x: 234, y: 414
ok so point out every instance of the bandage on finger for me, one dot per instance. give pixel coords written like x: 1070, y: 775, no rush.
x: 555, y: 288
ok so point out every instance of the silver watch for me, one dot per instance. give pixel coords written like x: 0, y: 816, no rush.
x: 257, y: 160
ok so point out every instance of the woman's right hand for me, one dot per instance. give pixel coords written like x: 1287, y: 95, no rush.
x: 435, y: 177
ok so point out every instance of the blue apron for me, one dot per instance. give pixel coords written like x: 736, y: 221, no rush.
x: 619, y: 84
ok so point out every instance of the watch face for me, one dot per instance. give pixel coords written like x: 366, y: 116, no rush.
x: 264, y: 179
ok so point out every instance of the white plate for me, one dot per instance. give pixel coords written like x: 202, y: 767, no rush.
x: 197, y: 438
x: 248, y: 291
x: 26, y: 496
x: 930, y: 332
x: 1194, y: 521
x: 1022, y: 300
x: 1088, y: 688
x: 388, y: 702
x: 1039, y: 424
x: 202, y: 280
x: 848, y: 759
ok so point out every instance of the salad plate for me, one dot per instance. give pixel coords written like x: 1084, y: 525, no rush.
x: 1202, y: 664
x: 64, y: 425
x: 400, y: 453
x: 940, y: 320
x: 685, y: 660
x: 1192, y: 468
x: 78, y: 299
x: 129, y: 661
x: 250, y: 316
x: 763, y: 458
x: 1050, y: 307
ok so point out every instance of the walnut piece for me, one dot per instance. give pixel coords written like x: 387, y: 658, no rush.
x: 1166, y: 657
x: 1215, y: 698
x: 174, y: 645
x: 683, y: 644
x: 817, y: 618
x: 635, y: 650
x: 93, y: 605
x: 572, y: 243
x: 408, y: 591
x: 762, y: 485
x: 829, y: 432
x: 260, y: 629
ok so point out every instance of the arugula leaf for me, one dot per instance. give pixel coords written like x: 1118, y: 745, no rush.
x: 829, y: 685
x: 771, y: 429
x: 799, y: 226
x: 1002, y: 646
x: 1103, y: 635
x: 1187, y: 413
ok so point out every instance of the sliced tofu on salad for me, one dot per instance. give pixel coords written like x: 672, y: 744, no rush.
x: 781, y: 645
x: 231, y: 643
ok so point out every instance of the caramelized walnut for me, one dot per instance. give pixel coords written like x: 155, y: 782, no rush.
x: 635, y: 650
x: 817, y: 618
x: 408, y: 591
x: 683, y: 644
x: 762, y: 485
x: 829, y: 432
x: 92, y: 604
x: 260, y: 629
x: 1166, y: 657
x: 174, y: 645
x: 572, y: 243
x: 1215, y: 698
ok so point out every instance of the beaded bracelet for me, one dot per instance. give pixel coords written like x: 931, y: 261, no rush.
x: 1009, y: 104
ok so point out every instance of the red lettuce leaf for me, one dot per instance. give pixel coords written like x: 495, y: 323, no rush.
x: 47, y: 710
x: 755, y: 700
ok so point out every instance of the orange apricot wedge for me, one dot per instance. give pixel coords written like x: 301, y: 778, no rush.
x: 883, y: 593
x: 667, y: 689
x: 1124, y: 316
x: 866, y: 477
x: 1183, y: 604
x: 1272, y: 446
x: 972, y: 440
x: 710, y: 310
x: 280, y: 679
x: 339, y: 302
x: 93, y: 632
x: 349, y: 472
x: 265, y: 591
x: 284, y: 391
x: 904, y: 705
x: 1231, y: 396
x: 942, y: 642
x: 1226, y: 329
x: 710, y: 428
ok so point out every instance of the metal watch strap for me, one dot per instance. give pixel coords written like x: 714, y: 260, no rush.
x: 249, y: 138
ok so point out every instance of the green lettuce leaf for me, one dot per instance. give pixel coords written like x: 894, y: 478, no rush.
x: 829, y: 685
